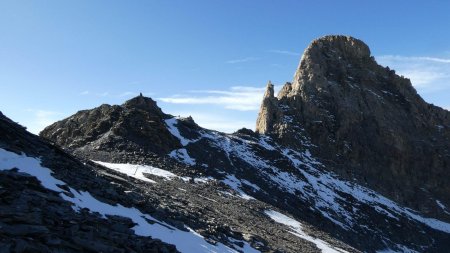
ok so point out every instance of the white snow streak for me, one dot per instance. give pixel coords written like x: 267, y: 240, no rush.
x: 325, y: 193
x: 175, y: 132
x: 235, y: 184
x: 442, y: 206
x: 183, y: 156
x: 138, y: 171
x: 297, y: 229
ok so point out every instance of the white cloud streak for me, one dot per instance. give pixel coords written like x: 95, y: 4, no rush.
x: 427, y: 74
x: 242, y: 60
x: 235, y: 108
x: 240, y: 98
x: 115, y: 95
x: 218, y: 122
x: 42, y: 119
x: 414, y: 58
x: 128, y: 94
x: 285, y: 52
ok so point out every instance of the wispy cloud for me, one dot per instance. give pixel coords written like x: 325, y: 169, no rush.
x: 104, y: 94
x: 132, y: 94
x: 414, y: 58
x: 120, y: 95
x: 285, y: 52
x: 242, y: 60
x: 128, y: 94
x: 427, y: 74
x: 241, y: 98
x: 219, y: 122
x: 276, y: 65
x: 42, y: 118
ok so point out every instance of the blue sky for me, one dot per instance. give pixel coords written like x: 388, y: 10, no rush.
x: 210, y: 59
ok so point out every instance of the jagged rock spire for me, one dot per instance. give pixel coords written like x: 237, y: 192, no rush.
x: 269, y: 90
x: 365, y: 120
x: 268, y: 111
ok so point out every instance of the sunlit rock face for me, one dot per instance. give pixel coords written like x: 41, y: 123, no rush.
x: 365, y: 121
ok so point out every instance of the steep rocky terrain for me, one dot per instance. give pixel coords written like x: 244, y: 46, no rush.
x: 367, y: 124
x: 134, y: 126
x: 346, y: 158
x: 55, y: 202
x: 35, y: 217
x: 260, y: 168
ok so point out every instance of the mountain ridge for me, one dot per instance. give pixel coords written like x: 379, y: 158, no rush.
x: 96, y: 206
x: 256, y: 166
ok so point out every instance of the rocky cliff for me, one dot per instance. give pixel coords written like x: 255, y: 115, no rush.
x: 135, y: 126
x: 367, y: 123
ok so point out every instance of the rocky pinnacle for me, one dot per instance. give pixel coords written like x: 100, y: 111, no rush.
x: 368, y: 123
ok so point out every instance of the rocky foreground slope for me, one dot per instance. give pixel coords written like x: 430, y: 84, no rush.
x: 312, y: 178
x: 54, y: 202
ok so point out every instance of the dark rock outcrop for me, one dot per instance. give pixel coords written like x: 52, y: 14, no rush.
x: 137, y: 126
x: 367, y: 123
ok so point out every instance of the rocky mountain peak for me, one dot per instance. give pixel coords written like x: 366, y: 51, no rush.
x: 364, y: 119
x: 143, y: 103
x: 137, y: 125
x: 346, y: 45
x: 269, y: 90
x: 330, y: 54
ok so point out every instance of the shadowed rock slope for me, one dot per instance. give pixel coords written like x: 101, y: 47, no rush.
x: 52, y: 201
x: 135, y: 126
x: 34, y: 218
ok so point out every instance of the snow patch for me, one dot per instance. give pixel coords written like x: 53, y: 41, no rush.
x: 296, y: 228
x: 173, y: 129
x: 202, y: 180
x: 182, y: 156
x: 236, y: 185
x: 442, y: 206
x: 138, y: 171
x: 263, y: 143
x: 397, y: 249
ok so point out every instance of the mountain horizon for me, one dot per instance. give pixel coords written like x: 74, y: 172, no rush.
x: 335, y: 149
